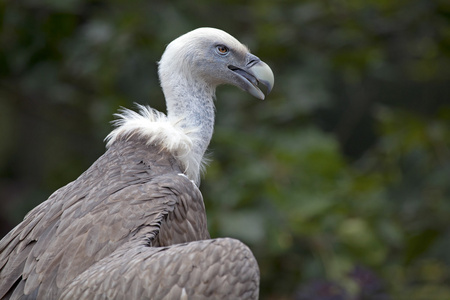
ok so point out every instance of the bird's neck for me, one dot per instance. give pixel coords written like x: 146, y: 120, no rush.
x: 190, y: 104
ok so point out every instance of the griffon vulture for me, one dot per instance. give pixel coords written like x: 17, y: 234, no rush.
x: 133, y: 226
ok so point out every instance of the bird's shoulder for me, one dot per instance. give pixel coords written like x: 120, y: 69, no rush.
x: 133, y: 191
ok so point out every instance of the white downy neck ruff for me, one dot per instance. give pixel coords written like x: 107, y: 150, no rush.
x: 156, y: 128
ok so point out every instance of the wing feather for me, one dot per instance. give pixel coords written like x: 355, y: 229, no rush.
x: 131, y: 193
x: 173, y: 271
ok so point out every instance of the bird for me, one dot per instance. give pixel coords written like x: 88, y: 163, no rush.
x: 133, y: 225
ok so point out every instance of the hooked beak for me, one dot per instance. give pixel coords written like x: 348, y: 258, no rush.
x: 255, y: 72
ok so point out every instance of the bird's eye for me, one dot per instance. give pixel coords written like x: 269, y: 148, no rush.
x: 221, y: 49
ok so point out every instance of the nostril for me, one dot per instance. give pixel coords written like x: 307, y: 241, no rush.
x: 252, y: 60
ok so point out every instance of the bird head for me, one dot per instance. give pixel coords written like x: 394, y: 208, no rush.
x: 214, y: 57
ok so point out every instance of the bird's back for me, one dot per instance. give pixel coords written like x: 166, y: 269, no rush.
x: 133, y: 193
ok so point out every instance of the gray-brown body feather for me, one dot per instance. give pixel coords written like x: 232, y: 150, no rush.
x: 197, y: 270
x: 112, y: 234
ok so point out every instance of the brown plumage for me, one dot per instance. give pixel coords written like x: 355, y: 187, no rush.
x: 108, y: 232
x: 133, y: 226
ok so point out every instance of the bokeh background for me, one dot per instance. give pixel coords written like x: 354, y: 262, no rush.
x: 339, y: 181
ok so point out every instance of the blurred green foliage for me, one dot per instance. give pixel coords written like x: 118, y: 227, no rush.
x: 344, y: 168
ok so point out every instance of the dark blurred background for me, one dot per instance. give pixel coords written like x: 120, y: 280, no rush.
x: 339, y: 181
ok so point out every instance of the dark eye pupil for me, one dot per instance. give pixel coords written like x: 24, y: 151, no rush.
x: 222, y: 49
